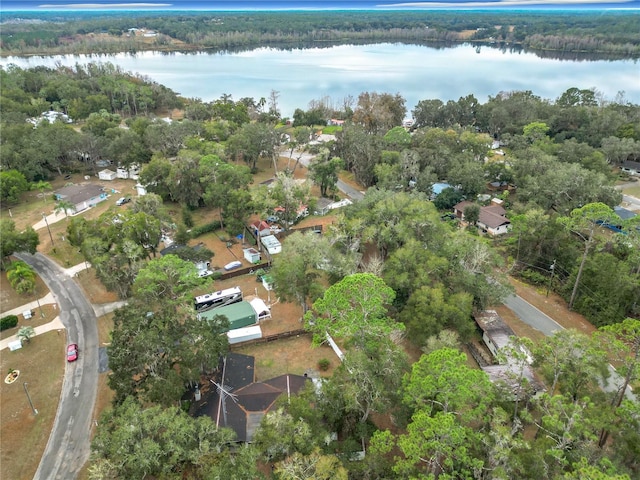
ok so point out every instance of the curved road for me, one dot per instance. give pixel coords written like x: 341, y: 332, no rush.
x: 69, y: 442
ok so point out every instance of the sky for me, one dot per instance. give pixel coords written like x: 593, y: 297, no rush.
x: 221, y: 5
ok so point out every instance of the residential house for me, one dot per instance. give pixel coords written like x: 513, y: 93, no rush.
x: 324, y: 205
x: 81, y: 196
x: 515, y: 375
x: 631, y: 168
x: 261, y: 228
x: 492, y: 218
x: 233, y: 399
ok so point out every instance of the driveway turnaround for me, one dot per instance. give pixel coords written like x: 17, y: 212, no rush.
x: 69, y: 443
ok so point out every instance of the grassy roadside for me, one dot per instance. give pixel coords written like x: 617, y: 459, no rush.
x: 24, y: 435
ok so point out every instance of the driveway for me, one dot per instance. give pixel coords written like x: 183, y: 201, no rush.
x: 545, y: 324
x: 69, y: 442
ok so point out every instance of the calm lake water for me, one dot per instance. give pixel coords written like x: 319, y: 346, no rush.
x: 415, y: 72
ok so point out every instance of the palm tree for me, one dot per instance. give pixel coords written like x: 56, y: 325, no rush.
x: 65, y: 206
x: 25, y: 333
x: 42, y: 186
x: 21, y: 277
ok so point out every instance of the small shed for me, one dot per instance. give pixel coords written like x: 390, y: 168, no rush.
x: 272, y: 244
x: 267, y: 282
x: 107, y: 174
x: 251, y: 255
x: 260, y: 308
x: 239, y: 314
x: 245, y: 334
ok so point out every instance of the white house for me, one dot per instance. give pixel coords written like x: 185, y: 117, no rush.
x: 261, y: 228
x: 492, y: 218
x: 107, y: 174
x: 81, y: 196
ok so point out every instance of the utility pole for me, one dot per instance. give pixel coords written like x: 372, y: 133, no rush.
x: 35, y: 412
x: 552, y: 267
x: 44, y: 216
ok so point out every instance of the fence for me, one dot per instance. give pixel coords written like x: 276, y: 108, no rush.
x: 270, y: 338
x: 313, y: 228
x: 243, y: 271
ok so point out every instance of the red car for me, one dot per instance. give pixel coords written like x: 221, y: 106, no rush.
x: 72, y: 352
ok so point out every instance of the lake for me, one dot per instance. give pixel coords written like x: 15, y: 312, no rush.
x: 414, y: 71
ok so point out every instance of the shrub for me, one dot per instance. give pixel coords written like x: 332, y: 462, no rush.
x: 7, y: 322
x: 323, y: 364
x: 206, y: 228
x: 533, y: 277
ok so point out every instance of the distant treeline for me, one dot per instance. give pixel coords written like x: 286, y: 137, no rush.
x: 604, y: 33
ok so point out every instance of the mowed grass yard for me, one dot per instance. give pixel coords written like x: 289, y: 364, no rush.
x: 24, y: 435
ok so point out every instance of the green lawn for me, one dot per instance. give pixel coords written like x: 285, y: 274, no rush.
x: 633, y: 191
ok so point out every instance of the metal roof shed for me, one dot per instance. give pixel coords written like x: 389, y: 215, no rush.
x: 239, y: 314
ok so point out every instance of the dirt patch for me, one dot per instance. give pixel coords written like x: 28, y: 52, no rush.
x: 25, y: 435
x: 93, y: 288
x: 292, y: 355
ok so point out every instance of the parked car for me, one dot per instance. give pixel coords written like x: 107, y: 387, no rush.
x: 122, y: 201
x: 72, y: 352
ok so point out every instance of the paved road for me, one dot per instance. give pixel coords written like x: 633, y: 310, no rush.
x: 69, y: 443
x: 305, y: 159
x: 531, y: 315
x: 540, y: 321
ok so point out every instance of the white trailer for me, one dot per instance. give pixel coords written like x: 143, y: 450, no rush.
x: 217, y: 299
x: 272, y: 244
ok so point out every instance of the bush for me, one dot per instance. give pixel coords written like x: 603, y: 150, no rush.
x: 8, y: 322
x: 206, y: 228
x: 323, y: 364
x: 533, y: 277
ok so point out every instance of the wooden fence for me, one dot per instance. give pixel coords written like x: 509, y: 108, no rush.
x: 243, y: 271
x: 270, y: 338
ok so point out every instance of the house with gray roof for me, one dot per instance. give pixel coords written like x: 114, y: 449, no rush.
x: 81, y: 196
x: 233, y: 399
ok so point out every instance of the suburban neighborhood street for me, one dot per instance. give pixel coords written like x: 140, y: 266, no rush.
x: 545, y: 324
x: 69, y: 442
x: 531, y: 315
